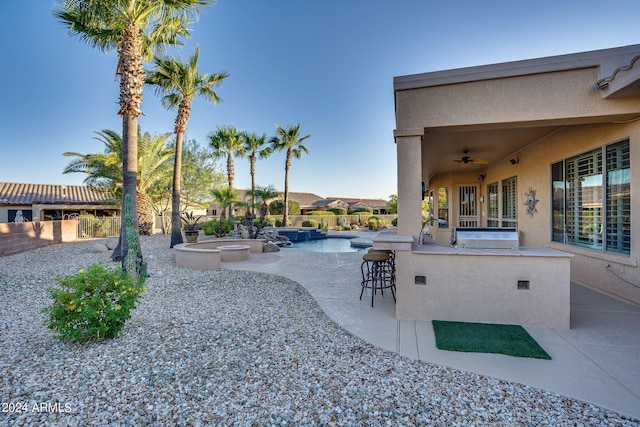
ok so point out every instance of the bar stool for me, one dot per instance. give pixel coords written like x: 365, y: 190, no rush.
x: 391, y: 264
x: 378, y: 272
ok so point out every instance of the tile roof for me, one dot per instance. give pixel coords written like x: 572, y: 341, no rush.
x: 12, y: 193
x: 374, y: 203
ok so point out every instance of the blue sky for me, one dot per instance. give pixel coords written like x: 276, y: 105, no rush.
x: 326, y: 64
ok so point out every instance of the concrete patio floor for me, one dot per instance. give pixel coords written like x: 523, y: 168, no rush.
x: 597, y: 360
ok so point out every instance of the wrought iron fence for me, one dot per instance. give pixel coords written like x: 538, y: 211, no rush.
x: 90, y: 226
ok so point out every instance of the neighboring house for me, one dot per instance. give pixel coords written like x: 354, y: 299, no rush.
x: 40, y: 202
x: 379, y: 206
x: 310, y: 202
x: 553, y: 140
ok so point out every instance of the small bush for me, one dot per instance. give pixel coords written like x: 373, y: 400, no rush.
x: 338, y: 228
x: 310, y: 223
x: 93, y: 304
x: 394, y: 222
x: 279, y: 222
x: 347, y: 227
x: 375, y: 223
x: 211, y: 227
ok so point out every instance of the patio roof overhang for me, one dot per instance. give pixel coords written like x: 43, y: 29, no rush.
x: 445, y: 136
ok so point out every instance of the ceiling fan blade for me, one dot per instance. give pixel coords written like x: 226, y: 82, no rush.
x: 464, y: 164
x: 479, y: 161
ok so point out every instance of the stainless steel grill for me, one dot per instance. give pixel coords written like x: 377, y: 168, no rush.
x: 485, y: 238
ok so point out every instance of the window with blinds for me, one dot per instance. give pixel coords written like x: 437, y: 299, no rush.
x: 618, y: 206
x: 493, y: 212
x: 510, y: 202
x: 591, y: 199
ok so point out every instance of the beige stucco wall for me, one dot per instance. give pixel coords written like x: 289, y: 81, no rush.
x: 483, y: 288
x: 543, y: 98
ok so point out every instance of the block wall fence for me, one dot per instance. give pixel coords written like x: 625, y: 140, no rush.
x: 24, y: 236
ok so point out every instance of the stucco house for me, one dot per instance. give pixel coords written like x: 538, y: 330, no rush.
x: 40, y: 202
x: 545, y: 146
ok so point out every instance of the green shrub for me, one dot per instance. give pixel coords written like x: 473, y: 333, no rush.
x: 338, y: 211
x: 211, y: 227
x: 338, y: 228
x: 318, y: 213
x: 394, y: 222
x: 279, y: 222
x: 207, y: 227
x: 361, y: 210
x: 310, y: 223
x: 93, y: 304
x: 375, y: 223
x: 347, y: 227
x: 323, y: 226
x: 277, y: 207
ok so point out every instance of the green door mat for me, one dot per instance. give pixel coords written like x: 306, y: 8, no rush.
x: 512, y: 340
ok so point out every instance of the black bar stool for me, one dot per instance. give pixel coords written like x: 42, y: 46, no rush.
x: 378, y: 272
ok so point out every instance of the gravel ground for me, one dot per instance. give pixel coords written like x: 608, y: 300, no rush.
x: 233, y: 348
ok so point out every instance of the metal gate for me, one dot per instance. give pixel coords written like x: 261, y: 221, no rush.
x: 90, y: 226
x: 468, y: 206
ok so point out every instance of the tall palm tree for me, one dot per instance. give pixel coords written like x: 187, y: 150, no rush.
x: 289, y: 139
x: 178, y: 83
x: 105, y: 169
x: 134, y: 28
x: 227, y: 141
x: 255, y: 147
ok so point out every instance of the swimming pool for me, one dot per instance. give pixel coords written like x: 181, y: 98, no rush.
x: 327, y: 245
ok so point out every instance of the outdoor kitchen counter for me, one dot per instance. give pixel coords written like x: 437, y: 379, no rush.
x: 528, y: 286
x: 433, y: 248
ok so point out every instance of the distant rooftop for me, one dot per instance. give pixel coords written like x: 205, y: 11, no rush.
x: 12, y: 193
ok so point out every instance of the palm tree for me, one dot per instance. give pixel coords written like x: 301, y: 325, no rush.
x: 289, y: 139
x: 227, y: 141
x: 224, y: 197
x: 134, y: 28
x: 105, y: 169
x: 255, y: 146
x: 102, y: 169
x: 263, y: 194
x: 178, y: 83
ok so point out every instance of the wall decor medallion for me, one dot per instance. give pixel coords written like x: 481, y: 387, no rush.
x: 530, y: 202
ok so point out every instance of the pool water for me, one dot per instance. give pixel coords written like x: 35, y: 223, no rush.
x: 327, y: 245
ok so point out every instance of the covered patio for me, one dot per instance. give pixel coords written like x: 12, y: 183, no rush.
x: 544, y: 146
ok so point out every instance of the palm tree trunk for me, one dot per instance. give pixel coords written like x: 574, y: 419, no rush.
x: 131, y: 74
x: 230, y: 175
x: 285, y: 211
x: 176, y: 229
x: 129, y: 182
x: 253, y: 186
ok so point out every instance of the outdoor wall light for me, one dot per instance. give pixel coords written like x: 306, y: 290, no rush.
x: 482, y: 176
x: 515, y: 161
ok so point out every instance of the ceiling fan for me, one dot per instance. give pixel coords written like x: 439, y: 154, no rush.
x: 465, y: 161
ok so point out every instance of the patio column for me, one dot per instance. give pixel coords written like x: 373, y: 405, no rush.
x: 409, y: 158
